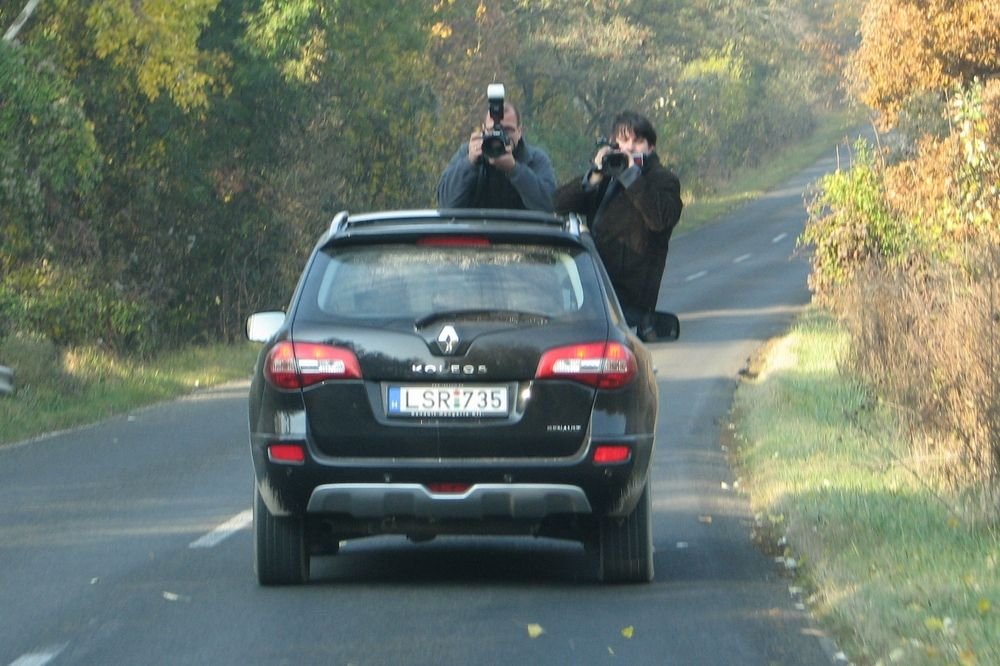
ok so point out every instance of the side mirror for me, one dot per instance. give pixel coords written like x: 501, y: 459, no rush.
x: 261, y: 326
x: 666, y: 325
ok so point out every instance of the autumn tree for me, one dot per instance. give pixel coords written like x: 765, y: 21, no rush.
x: 907, y: 241
x: 910, y: 47
x: 168, y: 164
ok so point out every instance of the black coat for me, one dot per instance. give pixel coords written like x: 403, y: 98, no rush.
x: 632, y: 228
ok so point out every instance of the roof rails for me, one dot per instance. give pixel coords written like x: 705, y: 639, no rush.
x: 343, y: 221
x: 338, y: 220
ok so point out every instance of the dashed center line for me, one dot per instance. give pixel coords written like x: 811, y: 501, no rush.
x: 779, y: 238
x: 740, y: 259
x: 40, y: 658
x: 223, y: 531
x: 695, y: 276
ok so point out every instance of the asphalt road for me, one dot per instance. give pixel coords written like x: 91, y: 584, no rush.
x: 128, y: 542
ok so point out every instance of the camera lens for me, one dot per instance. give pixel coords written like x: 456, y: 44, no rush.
x: 614, y: 163
x: 494, y: 143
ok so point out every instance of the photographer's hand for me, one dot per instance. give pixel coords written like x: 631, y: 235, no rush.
x: 475, y: 147
x: 596, y: 175
x: 599, y: 156
x: 505, y: 162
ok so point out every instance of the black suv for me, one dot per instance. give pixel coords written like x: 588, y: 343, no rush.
x: 452, y: 372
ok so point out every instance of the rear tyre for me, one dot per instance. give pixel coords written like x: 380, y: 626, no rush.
x: 626, y: 544
x: 281, y: 555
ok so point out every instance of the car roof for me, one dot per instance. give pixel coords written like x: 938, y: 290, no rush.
x: 513, y: 224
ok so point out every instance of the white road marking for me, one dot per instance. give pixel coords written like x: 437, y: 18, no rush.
x: 740, y: 259
x: 41, y: 657
x: 695, y: 276
x: 779, y: 238
x: 223, y: 531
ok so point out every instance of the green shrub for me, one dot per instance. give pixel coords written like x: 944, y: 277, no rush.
x: 851, y: 224
x: 36, y: 362
x: 65, y: 307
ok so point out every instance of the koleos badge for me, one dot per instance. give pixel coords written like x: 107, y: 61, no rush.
x: 448, y: 339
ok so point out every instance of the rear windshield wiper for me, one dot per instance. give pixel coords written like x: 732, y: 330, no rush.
x: 509, y: 316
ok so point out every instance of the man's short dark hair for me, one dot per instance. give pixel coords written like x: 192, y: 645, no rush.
x: 636, y: 123
x: 510, y: 106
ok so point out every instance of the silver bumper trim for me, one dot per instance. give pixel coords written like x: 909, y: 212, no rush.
x: 484, y: 500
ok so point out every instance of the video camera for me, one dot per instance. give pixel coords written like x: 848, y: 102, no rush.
x: 495, y: 140
x: 615, y: 162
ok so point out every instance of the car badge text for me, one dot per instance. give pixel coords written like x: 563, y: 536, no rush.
x: 448, y: 369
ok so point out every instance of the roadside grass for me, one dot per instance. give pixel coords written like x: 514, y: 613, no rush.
x: 750, y: 183
x: 59, y: 389
x: 891, y: 566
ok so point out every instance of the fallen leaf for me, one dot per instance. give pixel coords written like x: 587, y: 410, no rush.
x: 967, y: 658
x: 984, y: 606
x: 535, y: 630
x: 934, y: 624
x: 628, y: 631
x: 705, y: 519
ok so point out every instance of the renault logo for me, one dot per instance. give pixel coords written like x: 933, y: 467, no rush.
x: 448, y: 339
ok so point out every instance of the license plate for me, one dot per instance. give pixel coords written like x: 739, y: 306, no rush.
x: 447, y: 401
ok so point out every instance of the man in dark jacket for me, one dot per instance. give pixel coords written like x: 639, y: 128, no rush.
x: 521, y: 178
x: 631, y: 213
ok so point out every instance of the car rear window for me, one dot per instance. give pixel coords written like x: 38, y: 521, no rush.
x: 407, y: 281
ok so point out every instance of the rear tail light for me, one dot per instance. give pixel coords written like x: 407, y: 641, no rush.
x: 297, y: 365
x: 607, y: 365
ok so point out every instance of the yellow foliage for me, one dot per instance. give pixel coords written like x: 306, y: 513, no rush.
x: 158, y: 39
x: 441, y: 30
x: 909, y: 47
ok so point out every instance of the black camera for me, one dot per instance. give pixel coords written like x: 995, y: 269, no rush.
x: 615, y: 162
x: 495, y: 140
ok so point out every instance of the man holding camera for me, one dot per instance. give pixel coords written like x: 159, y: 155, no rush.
x: 632, y: 203
x: 496, y: 168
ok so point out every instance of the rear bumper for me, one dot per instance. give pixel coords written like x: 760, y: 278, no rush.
x: 481, y: 501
